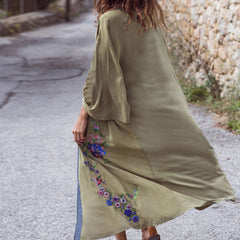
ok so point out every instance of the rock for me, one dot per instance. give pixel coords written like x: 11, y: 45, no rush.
x: 237, y: 13
x: 236, y: 56
x: 226, y: 66
x: 212, y: 48
x: 200, y: 75
x: 223, y: 28
x: 217, y: 65
x: 222, y: 53
x: 235, y: 1
x: 236, y: 34
x: 236, y: 76
x: 231, y: 28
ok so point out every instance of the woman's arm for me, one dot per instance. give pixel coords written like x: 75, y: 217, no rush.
x: 80, y: 127
x: 104, y: 91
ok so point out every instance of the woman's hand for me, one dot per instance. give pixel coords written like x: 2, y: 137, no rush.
x: 80, y: 127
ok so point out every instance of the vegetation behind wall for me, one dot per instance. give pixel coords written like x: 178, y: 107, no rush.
x: 15, y: 7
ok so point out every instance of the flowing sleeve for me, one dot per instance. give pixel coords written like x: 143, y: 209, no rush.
x: 104, y: 92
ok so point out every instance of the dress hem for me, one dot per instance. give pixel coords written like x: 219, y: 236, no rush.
x: 153, y: 222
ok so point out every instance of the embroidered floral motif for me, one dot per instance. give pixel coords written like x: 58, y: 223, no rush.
x: 94, y: 144
x: 96, y: 150
x: 98, y: 180
x: 123, y: 200
x: 94, y: 147
x: 133, y: 194
x: 91, y: 167
x: 116, y: 199
x: 129, y: 206
x: 117, y: 204
x: 135, y: 218
x: 109, y: 202
x: 100, y: 193
x: 128, y: 212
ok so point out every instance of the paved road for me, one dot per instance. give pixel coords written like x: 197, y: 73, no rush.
x: 41, y: 75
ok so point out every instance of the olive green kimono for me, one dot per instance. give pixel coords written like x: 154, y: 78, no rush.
x: 145, y: 160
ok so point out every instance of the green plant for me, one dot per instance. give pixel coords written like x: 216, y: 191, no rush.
x: 195, y: 93
x: 234, y: 107
x: 3, y: 13
x: 12, y: 31
x: 234, y: 125
x: 18, y: 27
x: 234, y: 115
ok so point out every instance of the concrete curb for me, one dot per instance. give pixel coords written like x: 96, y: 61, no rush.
x: 29, y: 21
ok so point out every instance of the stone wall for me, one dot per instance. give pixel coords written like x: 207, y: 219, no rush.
x: 207, y: 35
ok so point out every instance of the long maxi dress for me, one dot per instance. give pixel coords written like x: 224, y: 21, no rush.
x: 145, y: 160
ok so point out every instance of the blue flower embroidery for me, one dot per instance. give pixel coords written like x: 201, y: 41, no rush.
x: 128, y: 212
x: 96, y: 150
x: 109, y: 202
x: 135, y: 219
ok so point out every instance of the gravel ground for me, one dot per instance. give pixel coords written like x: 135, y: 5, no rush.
x: 40, y: 100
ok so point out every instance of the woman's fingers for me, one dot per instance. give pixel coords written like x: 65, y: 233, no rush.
x: 79, y: 130
x: 75, y: 136
x: 79, y: 136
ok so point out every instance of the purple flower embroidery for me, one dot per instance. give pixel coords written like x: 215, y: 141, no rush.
x: 116, y: 199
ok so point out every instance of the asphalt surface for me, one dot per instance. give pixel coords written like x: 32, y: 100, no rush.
x: 41, y: 78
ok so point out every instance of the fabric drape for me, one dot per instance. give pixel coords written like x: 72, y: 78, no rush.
x: 145, y: 160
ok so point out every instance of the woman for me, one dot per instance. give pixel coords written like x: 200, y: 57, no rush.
x: 142, y: 159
